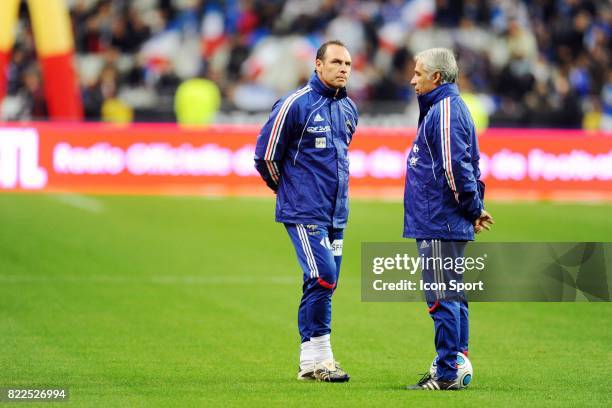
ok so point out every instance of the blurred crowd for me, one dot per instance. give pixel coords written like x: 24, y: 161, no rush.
x: 543, y: 63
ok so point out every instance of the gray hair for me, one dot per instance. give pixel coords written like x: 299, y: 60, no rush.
x: 440, y: 60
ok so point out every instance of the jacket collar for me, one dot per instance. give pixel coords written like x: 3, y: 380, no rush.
x: 429, y: 99
x: 320, y: 88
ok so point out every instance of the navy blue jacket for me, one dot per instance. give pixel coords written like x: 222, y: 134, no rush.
x: 301, y: 154
x: 443, y: 194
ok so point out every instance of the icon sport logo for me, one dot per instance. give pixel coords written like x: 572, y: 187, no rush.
x: 318, y: 118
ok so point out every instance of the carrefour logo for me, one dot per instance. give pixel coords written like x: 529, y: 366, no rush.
x: 19, y: 160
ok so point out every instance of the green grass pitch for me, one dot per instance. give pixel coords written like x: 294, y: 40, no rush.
x: 185, y: 301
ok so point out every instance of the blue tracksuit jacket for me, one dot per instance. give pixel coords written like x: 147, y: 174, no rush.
x: 443, y: 194
x: 301, y: 153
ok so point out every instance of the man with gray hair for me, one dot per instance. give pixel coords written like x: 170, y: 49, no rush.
x: 443, y: 204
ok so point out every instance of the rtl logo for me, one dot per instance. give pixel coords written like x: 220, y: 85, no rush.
x: 19, y: 160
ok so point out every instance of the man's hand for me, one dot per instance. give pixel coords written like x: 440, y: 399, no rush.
x: 483, y: 222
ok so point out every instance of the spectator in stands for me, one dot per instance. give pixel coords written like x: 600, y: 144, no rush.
x: 31, y: 98
x: 606, y: 97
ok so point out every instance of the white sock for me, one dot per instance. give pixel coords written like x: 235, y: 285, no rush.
x: 307, y: 356
x: 322, y: 350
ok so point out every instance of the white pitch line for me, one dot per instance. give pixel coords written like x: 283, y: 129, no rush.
x: 161, y: 280
x: 81, y: 202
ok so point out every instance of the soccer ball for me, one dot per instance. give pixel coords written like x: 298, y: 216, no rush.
x: 465, y: 371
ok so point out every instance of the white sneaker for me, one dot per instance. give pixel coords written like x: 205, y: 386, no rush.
x: 306, y: 374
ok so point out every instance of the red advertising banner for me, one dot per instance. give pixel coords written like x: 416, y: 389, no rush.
x: 218, y: 160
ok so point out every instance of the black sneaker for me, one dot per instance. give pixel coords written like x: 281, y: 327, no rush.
x: 330, y: 371
x: 430, y: 384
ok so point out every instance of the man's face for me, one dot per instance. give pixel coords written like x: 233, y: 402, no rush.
x: 335, y: 68
x: 421, y: 80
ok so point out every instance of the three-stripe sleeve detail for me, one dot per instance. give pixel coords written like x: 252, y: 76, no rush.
x: 445, y: 142
x: 279, y: 122
x: 276, y: 132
